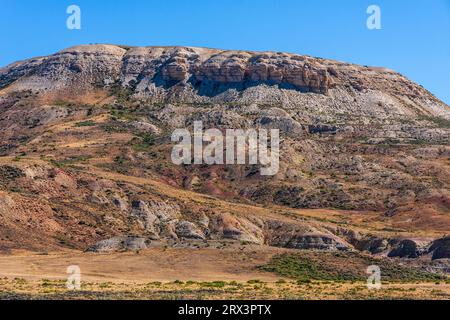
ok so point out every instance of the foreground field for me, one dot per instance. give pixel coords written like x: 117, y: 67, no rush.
x: 253, y: 289
x: 226, y: 272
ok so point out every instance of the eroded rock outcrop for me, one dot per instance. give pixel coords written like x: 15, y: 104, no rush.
x: 119, y: 244
x: 188, y: 230
x: 371, y: 244
x: 440, y: 248
x: 316, y: 241
x: 298, y: 236
x: 149, y: 71
x: 408, y: 248
x: 227, y: 226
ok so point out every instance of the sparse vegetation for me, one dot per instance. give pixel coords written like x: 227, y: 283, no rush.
x: 56, y: 289
x: 440, y: 122
x: 338, y: 266
x: 87, y: 123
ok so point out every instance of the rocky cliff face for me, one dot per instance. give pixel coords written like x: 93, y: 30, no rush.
x: 192, y: 73
x: 85, y: 139
x: 206, y: 70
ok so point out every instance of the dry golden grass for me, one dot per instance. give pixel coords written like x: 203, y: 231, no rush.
x: 182, y: 274
x: 225, y: 289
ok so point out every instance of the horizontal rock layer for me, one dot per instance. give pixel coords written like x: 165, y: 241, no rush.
x: 207, y: 71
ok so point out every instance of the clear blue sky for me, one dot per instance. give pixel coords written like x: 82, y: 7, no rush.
x: 415, y: 39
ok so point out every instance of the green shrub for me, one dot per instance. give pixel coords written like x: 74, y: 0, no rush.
x: 87, y: 123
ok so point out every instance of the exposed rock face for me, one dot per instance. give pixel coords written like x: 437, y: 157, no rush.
x: 302, y: 237
x: 408, y: 248
x: 187, y: 73
x: 148, y: 218
x: 212, y: 71
x: 315, y: 241
x: 371, y: 244
x: 82, y: 67
x: 119, y: 244
x: 440, y: 248
x: 188, y: 230
x: 228, y: 226
x: 8, y: 173
x: 245, y: 69
x: 158, y: 218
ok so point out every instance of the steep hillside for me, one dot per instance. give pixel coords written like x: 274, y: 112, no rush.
x: 85, y: 153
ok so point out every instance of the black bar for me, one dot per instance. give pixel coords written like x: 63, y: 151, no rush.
x: 226, y: 309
